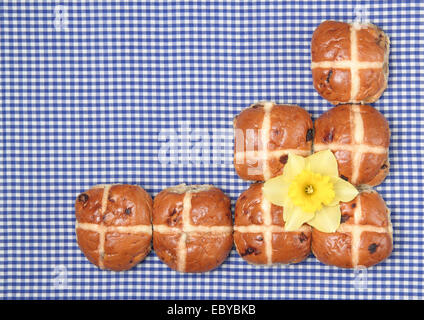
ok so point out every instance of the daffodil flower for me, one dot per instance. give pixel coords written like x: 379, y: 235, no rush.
x: 310, y: 191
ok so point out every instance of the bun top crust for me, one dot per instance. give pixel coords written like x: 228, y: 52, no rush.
x: 209, y: 206
x: 125, y: 205
x: 288, y: 125
x: 349, y: 61
x: 264, y: 135
x: 364, y: 237
x: 331, y: 42
x: 372, y: 43
x: 259, y: 234
x: 88, y: 206
x: 192, y: 227
x: 113, y: 225
x: 249, y: 209
x: 334, y: 126
x: 359, y: 137
x: 289, y: 128
x: 373, y: 210
x: 168, y: 208
x: 194, y: 188
x: 128, y: 205
x: 337, y: 126
x: 250, y: 118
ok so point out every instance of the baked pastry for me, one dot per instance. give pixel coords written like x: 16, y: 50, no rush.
x: 113, y: 225
x: 359, y: 137
x: 364, y: 237
x: 349, y: 62
x: 264, y: 135
x: 259, y: 233
x: 192, y: 227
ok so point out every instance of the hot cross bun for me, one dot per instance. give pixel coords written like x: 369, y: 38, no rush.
x: 113, y: 225
x: 192, y: 227
x: 349, y: 62
x: 264, y: 135
x: 359, y: 137
x: 364, y: 237
x: 259, y: 233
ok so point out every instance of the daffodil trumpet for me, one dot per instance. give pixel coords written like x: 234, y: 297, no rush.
x: 310, y: 191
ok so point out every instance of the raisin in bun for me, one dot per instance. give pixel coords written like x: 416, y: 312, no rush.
x: 364, y: 237
x: 113, y: 226
x: 264, y: 135
x: 259, y: 233
x: 359, y: 137
x: 349, y: 62
x: 192, y: 227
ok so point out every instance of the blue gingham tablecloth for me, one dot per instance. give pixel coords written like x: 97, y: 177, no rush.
x: 109, y: 92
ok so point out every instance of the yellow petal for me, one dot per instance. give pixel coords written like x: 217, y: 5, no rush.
x: 294, y: 166
x: 327, y: 219
x: 323, y: 162
x: 296, y: 217
x: 288, y: 209
x: 276, y: 190
x: 344, y: 191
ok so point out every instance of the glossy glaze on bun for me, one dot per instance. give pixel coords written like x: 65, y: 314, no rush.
x: 364, y: 237
x: 359, y: 137
x: 192, y: 227
x: 113, y: 225
x: 259, y: 234
x: 264, y: 134
x: 349, y: 62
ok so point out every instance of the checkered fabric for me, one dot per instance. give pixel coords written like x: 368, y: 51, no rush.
x: 145, y: 93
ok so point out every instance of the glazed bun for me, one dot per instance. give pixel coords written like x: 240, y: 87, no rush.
x: 364, y: 237
x: 359, y: 137
x: 192, y: 227
x: 349, y: 62
x: 113, y: 225
x: 264, y: 135
x: 259, y: 233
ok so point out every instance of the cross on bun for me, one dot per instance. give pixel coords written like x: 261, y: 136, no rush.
x: 364, y: 237
x: 264, y: 135
x: 359, y: 137
x: 113, y: 225
x: 349, y: 62
x: 259, y: 233
x: 192, y: 227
